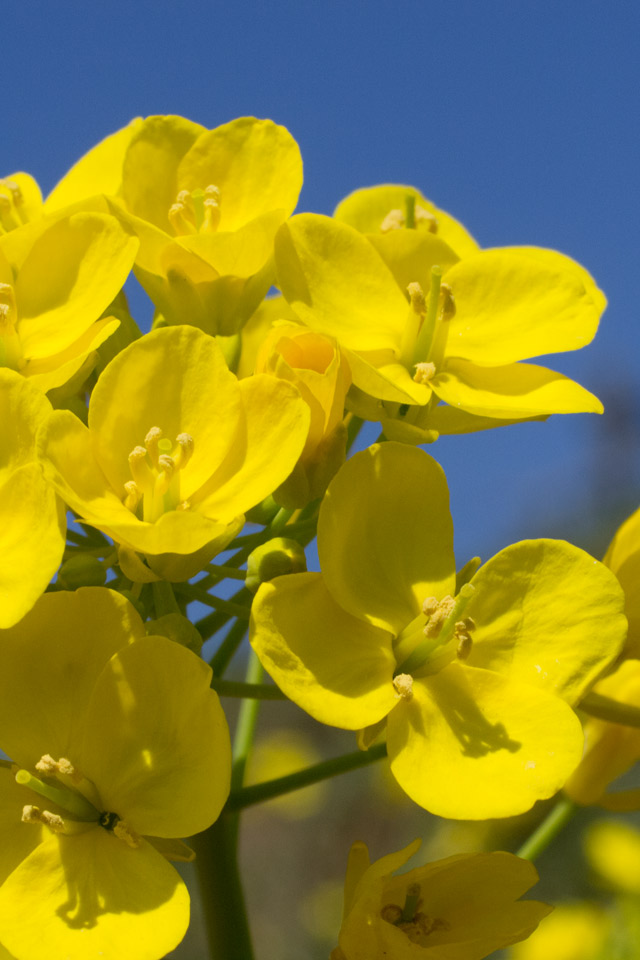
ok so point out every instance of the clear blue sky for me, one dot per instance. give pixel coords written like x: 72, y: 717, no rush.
x: 520, y: 118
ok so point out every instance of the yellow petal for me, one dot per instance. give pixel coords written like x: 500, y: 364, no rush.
x: 266, y: 445
x: 29, y: 205
x: 448, y: 420
x: 410, y: 255
x: 518, y: 390
x: 23, y: 408
x: 472, y: 744
x: 511, y: 305
x: 32, y: 540
x: 367, y: 208
x: 337, y: 283
x: 17, y: 840
x: 49, y: 663
x: 72, y: 273
x: 155, y: 740
x: 547, y: 614
x: 150, y: 167
x: 98, y: 171
x: 242, y: 252
x: 58, y: 369
x: 383, y: 552
x: 90, y: 896
x: 335, y: 667
x: 623, y: 557
x: 255, y: 164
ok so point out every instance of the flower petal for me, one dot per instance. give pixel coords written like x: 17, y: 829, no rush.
x: 17, y: 839
x: 337, y: 284
x: 72, y: 273
x: 155, y: 740
x: 22, y: 409
x: 335, y: 667
x: 91, y: 896
x: 513, y: 391
x: 49, y: 662
x: 256, y: 165
x: 547, y: 614
x: 512, y: 305
x: 472, y: 744
x: 32, y: 540
x: 385, y: 536
x: 623, y: 557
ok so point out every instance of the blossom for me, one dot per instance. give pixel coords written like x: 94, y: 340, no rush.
x: 206, y: 205
x: 175, y: 451
x: 316, y: 366
x: 623, y: 557
x: 57, y: 279
x: 119, y: 747
x: 474, y: 682
x: 32, y: 524
x: 420, y: 325
x: 460, y: 908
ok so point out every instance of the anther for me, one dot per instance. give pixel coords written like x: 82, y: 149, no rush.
x: 448, y: 303
x: 423, y: 216
x: 31, y: 814
x: 394, y: 220
x: 417, y: 298
x: 133, y: 496
x: 151, y: 443
x: 123, y: 832
x: 403, y: 685
x: 438, y: 617
x: 14, y: 189
x: 429, y: 606
x: 184, y: 451
x: 392, y: 913
x: 424, y: 372
x: 140, y: 470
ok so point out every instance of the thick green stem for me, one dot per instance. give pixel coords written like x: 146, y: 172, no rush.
x: 247, y: 796
x: 223, y: 655
x: 164, y: 599
x: 221, y: 890
x: 255, y: 691
x: 559, y: 817
x: 246, y: 727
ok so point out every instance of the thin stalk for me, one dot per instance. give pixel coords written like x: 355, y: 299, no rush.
x: 559, y: 817
x: 247, y: 796
x: 224, y: 654
x: 191, y: 592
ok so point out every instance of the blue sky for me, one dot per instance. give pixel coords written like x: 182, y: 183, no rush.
x: 519, y: 118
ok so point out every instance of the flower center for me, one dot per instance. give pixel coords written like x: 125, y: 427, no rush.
x: 411, y: 919
x: 196, y: 211
x: 412, y: 217
x: 75, y: 797
x: 10, y: 347
x: 155, y: 468
x: 437, y: 636
x: 12, y: 213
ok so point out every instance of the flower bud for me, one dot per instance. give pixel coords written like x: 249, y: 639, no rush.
x: 82, y: 570
x: 274, y: 559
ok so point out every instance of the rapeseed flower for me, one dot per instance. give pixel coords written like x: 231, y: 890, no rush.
x: 57, y: 279
x: 474, y: 682
x: 460, y: 908
x: 623, y: 557
x: 175, y: 451
x: 32, y: 524
x: 119, y: 748
x: 421, y: 326
x: 206, y: 205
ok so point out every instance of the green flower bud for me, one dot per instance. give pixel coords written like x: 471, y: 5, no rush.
x: 274, y: 559
x: 82, y: 570
x: 177, y: 628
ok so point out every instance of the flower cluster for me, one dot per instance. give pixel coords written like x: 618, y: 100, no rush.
x: 226, y: 431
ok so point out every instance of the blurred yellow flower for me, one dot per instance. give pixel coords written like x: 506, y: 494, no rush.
x: 574, y: 931
x: 623, y: 557
x: 461, y: 908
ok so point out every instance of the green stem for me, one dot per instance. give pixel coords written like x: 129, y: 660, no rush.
x: 221, y: 890
x: 604, y: 708
x: 255, y: 691
x: 164, y: 598
x: 191, y: 592
x: 224, y: 654
x: 559, y: 816
x: 222, y: 572
x: 246, y: 727
x: 247, y: 796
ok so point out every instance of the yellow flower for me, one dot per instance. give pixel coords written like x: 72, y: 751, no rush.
x: 206, y: 205
x: 106, y: 780
x: 381, y: 209
x: 460, y: 908
x: 420, y: 325
x: 610, y: 748
x: 574, y: 931
x: 176, y: 450
x: 316, y: 366
x: 623, y: 557
x: 32, y: 523
x: 57, y: 277
x: 475, y: 682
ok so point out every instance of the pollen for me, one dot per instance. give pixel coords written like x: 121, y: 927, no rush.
x: 394, y: 220
x: 447, y: 302
x: 438, y: 616
x: 155, y: 469
x: 123, y: 832
x: 417, y: 297
x: 403, y: 685
x: 196, y: 211
x: 424, y: 372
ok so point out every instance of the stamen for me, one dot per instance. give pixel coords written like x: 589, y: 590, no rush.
x: 392, y: 913
x: 394, y: 220
x: 424, y: 372
x: 70, y: 800
x: 123, y: 832
x: 140, y: 470
x: 184, y: 451
x: 423, y: 216
x: 403, y: 685
x: 438, y: 631
x: 438, y: 617
x: 151, y: 443
x: 411, y: 903
x: 423, y: 343
x: 414, y: 324
x: 133, y: 495
x: 31, y: 814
